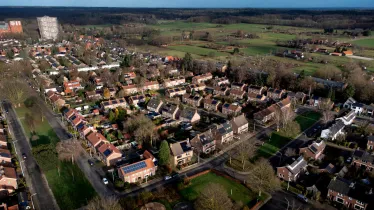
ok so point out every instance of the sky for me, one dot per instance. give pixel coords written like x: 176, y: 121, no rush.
x: 195, y: 3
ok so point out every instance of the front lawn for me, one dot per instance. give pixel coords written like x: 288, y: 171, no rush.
x: 69, y: 185
x: 277, y: 141
x: 239, y: 192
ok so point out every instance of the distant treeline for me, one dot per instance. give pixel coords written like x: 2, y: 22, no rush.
x: 338, y: 19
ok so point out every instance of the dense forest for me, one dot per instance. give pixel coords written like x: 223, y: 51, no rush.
x: 340, y: 19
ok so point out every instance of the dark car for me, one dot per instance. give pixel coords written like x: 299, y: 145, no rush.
x: 24, y: 156
x: 90, y: 162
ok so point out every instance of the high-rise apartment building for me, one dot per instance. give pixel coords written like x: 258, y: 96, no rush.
x: 13, y: 26
x: 48, y: 27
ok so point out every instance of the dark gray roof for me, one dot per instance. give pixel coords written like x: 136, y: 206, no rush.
x: 351, y: 189
x: 154, y: 103
x: 224, y: 128
x: 336, y: 127
x: 188, y: 113
x: 169, y: 108
x: 206, y: 138
x: 371, y: 138
x: 363, y: 156
x: 296, y: 166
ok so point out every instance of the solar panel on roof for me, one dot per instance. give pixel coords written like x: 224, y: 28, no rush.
x: 121, y: 100
x: 114, y: 102
x: 226, y: 105
x: 107, y: 152
x: 134, y: 167
x: 106, y: 103
x: 214, y: 102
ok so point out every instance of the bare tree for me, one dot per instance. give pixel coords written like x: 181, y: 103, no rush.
x: 15, y: 91
x: 213, y: 197
x: 262, y: 177
x: 245, y: 151
x: 278, y: 116
x: 290, y: 152
x: 287, y: 116
x: 142, y: 128
x: 98, y: 203
x: 325, y: 107
x: 69, y: 150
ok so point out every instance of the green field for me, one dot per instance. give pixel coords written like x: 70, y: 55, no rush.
x: 277, y: 141
x: 364, y: 42
x: 239, y: 192
x: 197, y: 50
x: 71, y: 189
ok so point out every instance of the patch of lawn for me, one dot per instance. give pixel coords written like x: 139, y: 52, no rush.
x: 364, y: 42
x: 307, y: 119
x: 197, y: 50
x: 239, y: 192
x: 71, y: 188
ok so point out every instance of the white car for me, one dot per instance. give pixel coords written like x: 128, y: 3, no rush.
x: 167, y: 178
x: 105, y: 181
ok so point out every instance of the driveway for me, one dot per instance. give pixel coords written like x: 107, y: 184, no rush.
x: 43, y: 199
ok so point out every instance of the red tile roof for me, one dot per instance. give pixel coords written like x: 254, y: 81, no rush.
x: 94, y: 138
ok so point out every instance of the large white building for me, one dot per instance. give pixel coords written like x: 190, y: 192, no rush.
x: 48, y: 27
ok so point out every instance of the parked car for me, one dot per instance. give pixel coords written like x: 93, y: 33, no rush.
x: 90, y: 162
x: 24, y: 156
x: 167, y: 177
x: 105, y: 181
x: 349, y: 160
x: 302, y: 198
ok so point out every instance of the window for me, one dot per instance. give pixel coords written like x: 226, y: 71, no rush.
x: 339, y: 200
x: 359, y: 202
x: 358, y: 207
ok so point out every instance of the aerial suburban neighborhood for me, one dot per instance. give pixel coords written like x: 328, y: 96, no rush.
x: 205, y: 109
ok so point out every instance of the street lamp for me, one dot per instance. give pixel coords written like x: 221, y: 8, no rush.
x: 32, y: 202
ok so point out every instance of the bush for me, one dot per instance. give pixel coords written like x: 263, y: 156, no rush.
x: 30, y: 101
x: 119, y: 184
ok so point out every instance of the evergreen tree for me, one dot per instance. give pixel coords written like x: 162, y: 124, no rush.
x: 349, y: 91
x: 188, y: 62
x: 112, y: 116
x: 164, y: 153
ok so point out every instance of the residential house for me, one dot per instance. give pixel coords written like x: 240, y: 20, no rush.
x: 5, y: 156
x: 221, y: 91
x: 237, y: 94
x: 130, y: 75
x: 266, y: 115
x: 318, y: 102
x: 112, y: 104
x: 275, y: 94
x: 193, y: 100
x: 189, y: 115
x: 350, y: 194
x: 8, y: 179
x: 109, y: 154
x: 349, y: 102
x: 154, y: 105
x: 204, y: 142
x: 94, y: 140
x: 253, y: 97
x: 231, y: 109
x: 211, y: 104
x: 135, y: 100
x: 196, y: 87
x: 181, y: 152
x: 221, y: 81
x: 130, y: 89
x: 297, y: 98
x: 72, y: 86
x: 112, y: 92
x: 175, y: 92
x: 363, y: 159
x: 258, y: 90
x: 370, y: 143
x: 202, y: 78
x: 348, y: 118
x: 314, y: 150
x: 57, y: 101
x: 137, y: 172
x: 172, y: 82
x: 334, y: 131
x: 239, y: 124
x: 291, y: 172
x: 94, y: 95
x: 170, y: 111
x: 238, y: 86
x: 363, y: 109
x: 224, y: 133
x: 3, y: 141
x: 151, y: 85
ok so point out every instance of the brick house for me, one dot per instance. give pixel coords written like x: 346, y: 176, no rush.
x: 181, y: 152
x: 5, y: 156
x: 135, y: 100
x: 137, y: 172
x: 258, y: 90
x: 112, y: 104
x: 275, y: 94
x: 237, y: 94
x: 193, y: 100
x: 151, y: 85
x: 221, y: 81
x: 316, y: 101
x: 72, y: 86
x: 314, y: 150
x: 253, y: 97
x: 239, y: 124
x: 350, y: 194
x: 109, y: 154
x: 130, y: 89
x: 238, y: 86
x: 94, y: 140
x: 202, y: 78
x: 221, y: 91
x: 196, y: 87
x: 297, y: 98
x: 170, y: 111
x: 211, y: 104
x: 292, y: 171
x: 267, y: 115
x: 231, y: 109
x: 363, y: 159
x: 204, y: 142
x: 175, y: 92
x: 154, y: 105
x: 94, y: 95
x: 172, y: 82
x: 370, y: 143
x: 8, y: 179
x: 189, y: 115
x: 3, y: 141
x: 224, y: 133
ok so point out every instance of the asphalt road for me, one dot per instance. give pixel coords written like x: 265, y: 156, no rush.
x: 43, y: 199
